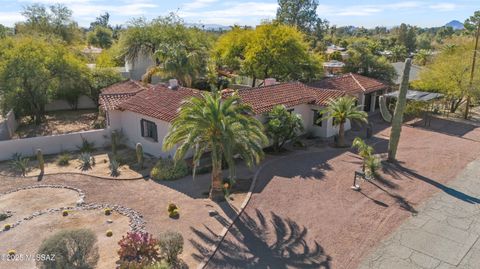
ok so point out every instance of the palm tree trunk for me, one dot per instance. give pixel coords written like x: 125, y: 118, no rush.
x: 341, y: 135
x: 216, y: 192
x: 397, y: 119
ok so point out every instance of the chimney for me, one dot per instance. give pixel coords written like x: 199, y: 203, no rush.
x: 269, y: 82
x: 172, y: 84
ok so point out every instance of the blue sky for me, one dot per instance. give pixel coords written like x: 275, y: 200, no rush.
x: 366, y: 13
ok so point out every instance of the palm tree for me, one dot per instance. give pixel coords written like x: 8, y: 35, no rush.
x: 341, y: 110
x: 223, y: 127
x: 364, y: 150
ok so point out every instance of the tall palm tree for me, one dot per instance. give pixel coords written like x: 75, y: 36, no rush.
x: 223, y: 127
x: 341, y: 110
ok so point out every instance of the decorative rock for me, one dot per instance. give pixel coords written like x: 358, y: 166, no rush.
x: 212, y: 213
x: 109, y: 221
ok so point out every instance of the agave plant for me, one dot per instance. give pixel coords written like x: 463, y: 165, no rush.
x: 114, y: 165
x: 19, y: 163
x: 85, y: 161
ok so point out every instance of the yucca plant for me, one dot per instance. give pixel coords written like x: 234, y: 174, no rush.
x: 86, y: 147
x: 19, y: 163
x: 85, y: 161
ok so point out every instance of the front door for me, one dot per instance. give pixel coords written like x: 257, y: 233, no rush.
x: 367, y: 103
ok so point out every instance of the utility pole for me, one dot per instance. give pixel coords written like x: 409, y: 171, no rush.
x: 474, y: 61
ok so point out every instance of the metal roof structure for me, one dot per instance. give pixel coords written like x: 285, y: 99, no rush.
x: 417, y: 95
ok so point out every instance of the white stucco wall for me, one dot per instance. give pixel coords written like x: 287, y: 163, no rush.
x: 139, y: 67
x: 52, y: 144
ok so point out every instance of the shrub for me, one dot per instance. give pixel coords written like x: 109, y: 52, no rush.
x: 137, y: 250
x: 107, y: 211
x: 167, y: 169
x: 19, y: 163
x: 86, y: 147
x: 159, y: 265
x: 109, y: 233
x: 282, y: 126
x: 114, y: 165
x: 85, y: 161
x: 171, y: 245
x: 4, y: 216
x: 372, y: 164
x: 7, y: 227
x: 173, y: 210
x: 63, y: 159
x: 65, y: 213
x: 72, y: 249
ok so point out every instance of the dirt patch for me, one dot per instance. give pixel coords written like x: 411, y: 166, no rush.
x: 127, y: 158
x: 59, y: 122
x: 23, y: 203
x: 303, y: 213
x: 27, y: 237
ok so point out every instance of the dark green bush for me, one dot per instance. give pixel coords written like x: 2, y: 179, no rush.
x: 167, y: 169
x: 73, y: 249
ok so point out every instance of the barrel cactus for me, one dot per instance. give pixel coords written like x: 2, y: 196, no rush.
x: 139, y: 149
x: 41, y: 161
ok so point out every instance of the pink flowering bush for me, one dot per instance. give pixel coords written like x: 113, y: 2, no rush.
x: 138, y: 250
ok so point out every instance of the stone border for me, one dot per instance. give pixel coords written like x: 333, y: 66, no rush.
x: 137, y: 224
x: 77, y: 173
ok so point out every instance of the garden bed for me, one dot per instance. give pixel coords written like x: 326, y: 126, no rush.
x: 128, y: 168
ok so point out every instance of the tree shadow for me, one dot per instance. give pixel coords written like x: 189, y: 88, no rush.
x: 398, y: 170
x: 400, y: 200
x: 380, y: 203
x: 444, y: 126
x: 258, y: 242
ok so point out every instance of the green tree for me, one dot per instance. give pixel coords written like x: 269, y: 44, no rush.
x: 406, y: 36
x: 102, y: 21
x: 4, y: 31
x: 34, y: 71
x: 341, y: 110
x: 422, y: 57
x: 449, y: 73
x: 282, y: 126
x: 363, y: 61
x: 100, y: 37
x: 471, y: 23
x: 399, y: 53
x: 397, y: 119
x: 101, y: 78
x: 224, y: 127
x: 56, y: 21
x: 272, y: 50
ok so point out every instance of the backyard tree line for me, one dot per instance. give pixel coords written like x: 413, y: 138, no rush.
x: 41, y: 58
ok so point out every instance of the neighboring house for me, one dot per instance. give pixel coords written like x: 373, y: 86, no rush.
x: 414, y: 72
x: 366, y: 90
x: 333, y: 68
x: 144, y: 112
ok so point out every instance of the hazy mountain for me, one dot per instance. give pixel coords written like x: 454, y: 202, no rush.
x: 209, y: 26
x: 456, y: 25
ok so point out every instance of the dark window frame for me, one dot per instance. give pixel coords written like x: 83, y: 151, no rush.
x: 316, y: 116
x: 149, y: 129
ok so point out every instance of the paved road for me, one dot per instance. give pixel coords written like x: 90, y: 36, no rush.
x: 444, y: 234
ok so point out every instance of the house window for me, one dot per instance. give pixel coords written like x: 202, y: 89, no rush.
x: 317, y: 116
x: 149, y: 129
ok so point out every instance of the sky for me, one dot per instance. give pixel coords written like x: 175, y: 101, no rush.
x: 367, y: 13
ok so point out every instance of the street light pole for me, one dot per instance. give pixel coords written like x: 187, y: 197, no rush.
x: 474, y: 61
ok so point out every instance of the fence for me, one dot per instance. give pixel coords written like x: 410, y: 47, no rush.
x: 8, y: 125
x: 52, y: 144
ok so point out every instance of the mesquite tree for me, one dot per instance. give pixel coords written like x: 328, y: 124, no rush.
x: 397, y: 119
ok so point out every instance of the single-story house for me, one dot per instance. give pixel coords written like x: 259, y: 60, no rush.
x: 366, y: 90
x: 144, y: 112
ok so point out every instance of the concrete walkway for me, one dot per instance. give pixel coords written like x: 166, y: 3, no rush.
x: 444, y: 234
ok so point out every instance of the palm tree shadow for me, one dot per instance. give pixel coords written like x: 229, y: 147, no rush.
x: 400, y: 200
x: 262, y: 243
x: 398, y: 170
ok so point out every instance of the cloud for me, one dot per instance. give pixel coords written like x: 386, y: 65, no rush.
x: 196, y: 4
x: 444, y: 6
x: 10, y: 18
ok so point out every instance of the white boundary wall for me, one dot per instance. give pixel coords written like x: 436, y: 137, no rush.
x: 52, y: 144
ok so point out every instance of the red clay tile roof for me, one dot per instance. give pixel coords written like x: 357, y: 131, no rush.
x: 159, y: 102
x: 263, y: 99
x: 350, y: 83
x: 117, y: 93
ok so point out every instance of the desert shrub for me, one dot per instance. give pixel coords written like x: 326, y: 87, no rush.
x: 171, y: 245
x: 72, y: 249
x: 109, y: 233
x: 4, y: 216
x: 86, y: 161
x: 86, y: 147
x: 65, y: 213
x: 19, y: 164
x: 159, y: 265
x: 173, y: 210
x: 63, y: 159
x: 137, y: 250
x: 114, y: 165
x: 167, y: 169
x: 7, y: 227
